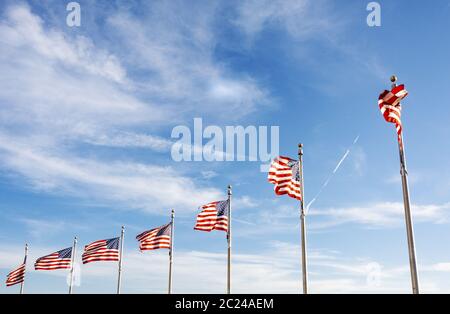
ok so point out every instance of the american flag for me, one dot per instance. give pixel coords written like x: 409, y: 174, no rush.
x: 389, y: 102
x: 157, y: 238
x: 16, y: 276
x: 284, y: 173
x: 58, y: 260
x: 101, y: 251
x: 214, y: 216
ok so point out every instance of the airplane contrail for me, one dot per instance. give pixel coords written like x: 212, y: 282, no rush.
x: 327, y: 181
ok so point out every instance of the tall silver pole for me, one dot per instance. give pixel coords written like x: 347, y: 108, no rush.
x: 172, y: 231
x: 408, y: 217
x: 25, y: 262
x: 303, y: 222
x: 229, y: 242
x: 119, y: 278
x: 72, y: 264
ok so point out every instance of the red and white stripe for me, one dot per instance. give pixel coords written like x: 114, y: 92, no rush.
x: 280, y: 174
x: 207, y: 219
x: 389, y: 102
x: 52, y: 262
x: 150, y: 240
x: 16, y: 276
x: 98, y: 252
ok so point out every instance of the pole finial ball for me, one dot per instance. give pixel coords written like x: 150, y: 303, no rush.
x: 393, y: 79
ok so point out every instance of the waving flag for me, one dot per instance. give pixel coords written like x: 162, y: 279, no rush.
x: 157, y: 238
x: 101, y: 251
x: 284, y: 173
x: 16, y: 276
x: 214, y: 216
x: 58, y: 260
x: 389, y: 102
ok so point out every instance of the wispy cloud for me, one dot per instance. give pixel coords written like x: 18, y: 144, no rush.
x: 274, y: 270
x: 139, y: 186
x: 380, y: 215
x: 78, y: 93
x: 177, y: 55
x: 300, y: 18
x: 24, y: 29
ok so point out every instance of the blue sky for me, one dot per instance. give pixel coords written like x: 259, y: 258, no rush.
x: 86, y: 115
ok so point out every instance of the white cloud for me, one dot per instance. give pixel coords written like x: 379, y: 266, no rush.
x: 285, y: 218
x: 177, y: 54
x: 137, y: 185
x: 24, y: 30
x: 300, y: 18
x: 37, y: 227
x: 380, y: 215
x: 208, y: 174
x: 59, y: 91
x: 274, y: 270
x: 125, y: 139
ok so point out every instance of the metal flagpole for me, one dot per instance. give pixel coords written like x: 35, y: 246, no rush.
x: 408, y: 217
x: 172, y: 231
x: 302, y: 222
x: 72, y: 266
x: 119, y: 278
x: 25, y: 262
x: 229, y: 242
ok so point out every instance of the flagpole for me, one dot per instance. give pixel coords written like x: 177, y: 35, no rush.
x: 172, y: 231
x: 408, y: 216
x: 119, y: 277
x: 25, y: 262
x: 303, y: 222
x: 72, y: 267
x: 229, y: 242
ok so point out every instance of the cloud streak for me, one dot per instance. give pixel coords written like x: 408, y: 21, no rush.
x: 381, y: 215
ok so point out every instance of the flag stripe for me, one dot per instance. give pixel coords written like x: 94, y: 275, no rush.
x: 101, y: 251
x: 58, y: 260
x: 391, y: 109
x: 16, y: 276
x: 284, y: 174
x: 214, y: 216
x: 157, y: 238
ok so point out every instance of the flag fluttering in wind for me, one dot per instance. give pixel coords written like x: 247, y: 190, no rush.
x: 157, y: 238
x: 284, y: 173
x: 16, y: 276
x: 102, y: 251
x: 58, y: 260
x: 390, y: 106
x: 214, y: 216
x: 389, y: 102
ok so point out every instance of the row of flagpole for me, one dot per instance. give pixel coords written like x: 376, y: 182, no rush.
x: 389, y: 102
x: 120, y: 259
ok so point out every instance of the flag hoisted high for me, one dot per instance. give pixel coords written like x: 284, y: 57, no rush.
x: 101, y: 251
x: 390, y: 106
x: 284, y: 173
x: 16, y: 276
x: 214, y: 216
x: 389, y: 102
x: 157, y: 238
x: 58, y: 260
